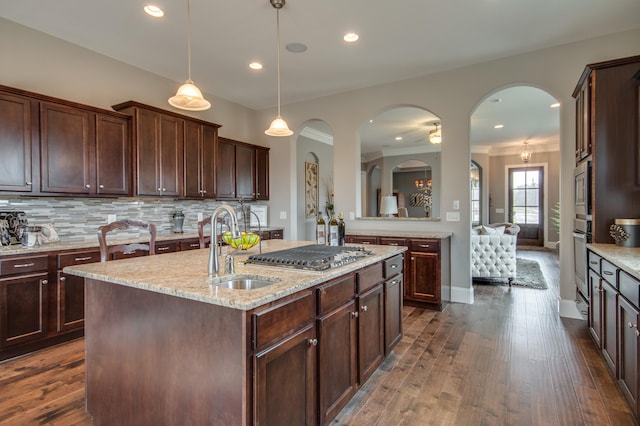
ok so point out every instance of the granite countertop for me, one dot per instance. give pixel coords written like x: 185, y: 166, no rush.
x: 92, y: 242
x: 184, y: 274
x: 401, y: 234
x: 626, y: 258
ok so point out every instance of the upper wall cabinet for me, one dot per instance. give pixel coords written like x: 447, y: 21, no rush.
x: 56, y: 147
x: 200, y: 142
x: 242, y: 171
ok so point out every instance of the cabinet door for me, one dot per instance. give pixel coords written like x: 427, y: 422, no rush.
x: 226, y: 170
x: 595, y: 307
x: 583, y: 120
x: 370, y: 331
x: 393, y: 291
x: 147, y: 152
x: 66, y: 150
x: 70, y: 302
x: 284, y: 387
x: 425, y: 278
x: 209, y: 143
x: 23, y: 309
x: 113, y: 156
x: 15, y: 140
x: 610, y: 326
x: 193, y: 136
x: 337, y: 360
x: 245, y: 172
x: 629, y: 366
x: 170, y: 155
x: 262, y: 174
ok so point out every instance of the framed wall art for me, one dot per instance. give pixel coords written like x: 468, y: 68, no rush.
x: 311, y: 189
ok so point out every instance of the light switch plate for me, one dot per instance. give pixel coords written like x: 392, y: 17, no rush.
x: 283, y: 215
x: 453, y: 216
x: 352, y: 216
x: 456, y: 204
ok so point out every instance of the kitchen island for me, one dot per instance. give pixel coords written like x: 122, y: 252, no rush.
x: 166, y: 345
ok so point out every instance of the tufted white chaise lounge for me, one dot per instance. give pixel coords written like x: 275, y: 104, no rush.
x: 493, y: 251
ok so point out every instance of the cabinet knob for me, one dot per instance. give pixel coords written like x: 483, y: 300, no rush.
x: 101, y: 186
x: 364, y: 308
x: 354, y: 314
x: 313, y: 342
x: 631, y: 325
x: 63, y: 279
x: 87, y: 186
x: 164, y: 189
x: 394, y: 266
x: 204, y: 191
x: 29, y: 183
x: 159, y: 189
x: 424, y: 245
x: 608, y: 273
x: 259, y: 194
x: 45, y: 282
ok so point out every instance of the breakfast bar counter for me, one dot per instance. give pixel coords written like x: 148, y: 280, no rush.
x: 166, y: 345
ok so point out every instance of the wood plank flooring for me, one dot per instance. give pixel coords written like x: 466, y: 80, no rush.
x: 508, y: 359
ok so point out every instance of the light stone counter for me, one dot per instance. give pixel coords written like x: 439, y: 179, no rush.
x: 400, y: 234
x: 626, y: 258
x: 184, y: 274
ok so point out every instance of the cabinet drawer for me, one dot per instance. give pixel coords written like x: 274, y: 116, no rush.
x: 281, y: 320
x: 610, y: 273
x: 431, y: 246
x: 335, y: 294
x: 189, y: 245
x: 629, y: 288
x: 386, y: 241
x: 594, y: 261
x: 393, y: 266
x: 363, y: 239
x: 23, y: 265
x: 168, y: 247
x: 369, y: 277
x: 77, y: 258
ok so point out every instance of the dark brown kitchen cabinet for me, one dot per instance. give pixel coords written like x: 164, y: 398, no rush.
x: 595, y: 307
x: 609, y: 306
x: 16, y: 141
x: 262, y: 173
x: 70, y: 290
x: 284, y: 341
x: 113, y: 156
x: 371, y: 328
x: 236, y: 170
x: 629, y: 342
x: 337, y: 346
x: 393, y: 294
x: 424, y: 283
x: 199, y: 159
x: 158, y: 137
x: 23, y: 300
x: 583, y: 119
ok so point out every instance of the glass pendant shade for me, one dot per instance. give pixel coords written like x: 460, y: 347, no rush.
x: 189, y: 97
x: 278, y: 128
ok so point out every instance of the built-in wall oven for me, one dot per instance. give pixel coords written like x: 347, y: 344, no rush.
x: 582, y: 226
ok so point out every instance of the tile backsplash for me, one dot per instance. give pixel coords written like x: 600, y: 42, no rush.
x: 79, y: 218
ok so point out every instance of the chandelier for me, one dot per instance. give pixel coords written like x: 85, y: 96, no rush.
x: 526, y: 154
x: 435, y: 137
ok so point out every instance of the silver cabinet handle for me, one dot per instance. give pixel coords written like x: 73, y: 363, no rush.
x: 364, y: 308
x: 394, y: 266
x: 392, y: 244
x: 366, y: 242
x: 631, y: 325
x: 594, y: 262
x: 24, y: 265
x: 164, y: 189
x: 45, y: 282
x: 63, y: 279
x: 395, y: 282
x: 608, y: 273
x: 162, y: 248
x: 424, y: 245
x: 81, y: 259
x: 313, y: 342
x: 101, y: 186
x: 29, y: 183
x: 354, y: 314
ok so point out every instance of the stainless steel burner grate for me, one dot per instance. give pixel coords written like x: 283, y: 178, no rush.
x: 313, y: 257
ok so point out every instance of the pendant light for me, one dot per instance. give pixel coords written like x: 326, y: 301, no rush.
x: 188, y: 96
x: 435, y: 137
x: 525, y: 155
x: 278, y: 126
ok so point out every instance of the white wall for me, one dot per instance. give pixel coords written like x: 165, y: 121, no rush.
x: 34, y: 61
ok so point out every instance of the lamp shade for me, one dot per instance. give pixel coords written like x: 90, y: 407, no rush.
x: 278, y: 128
x: 389, y: 205
x: 189, y: 97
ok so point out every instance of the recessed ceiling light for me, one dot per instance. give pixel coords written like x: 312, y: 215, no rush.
x: 398, y: 138
x: 296, y: 47
x: 351, y: 37
x: 255, y: 66
x: 153, y: 10
x: 371, y: 121
x: 556, y: 105
x: 498, y: 126
x: 496, y: 100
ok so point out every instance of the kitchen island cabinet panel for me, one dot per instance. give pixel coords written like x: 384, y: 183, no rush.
x: 16, y: 140
x: 23, y: 304
x: 371, y: 331
x: 629, y: 342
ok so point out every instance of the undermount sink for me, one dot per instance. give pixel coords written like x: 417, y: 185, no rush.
x: 243, y: 282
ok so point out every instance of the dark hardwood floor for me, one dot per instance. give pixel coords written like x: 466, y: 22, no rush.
x: 508, y: 359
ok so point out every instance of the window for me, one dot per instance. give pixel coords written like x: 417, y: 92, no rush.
x: 476, y: 217
x: 525, y: 187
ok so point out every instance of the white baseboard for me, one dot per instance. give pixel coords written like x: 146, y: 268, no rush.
x: 462, y: 295
x: 569, y: 309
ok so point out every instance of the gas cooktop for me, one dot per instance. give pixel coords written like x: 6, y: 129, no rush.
x: 314, y: 257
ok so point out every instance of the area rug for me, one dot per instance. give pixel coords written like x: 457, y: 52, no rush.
x: 528, y: 274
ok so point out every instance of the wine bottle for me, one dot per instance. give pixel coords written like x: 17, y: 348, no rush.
x: 333, y: 231
x: 341, y: 229
x: 320, y: 231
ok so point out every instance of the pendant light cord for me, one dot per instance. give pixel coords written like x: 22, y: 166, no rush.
x: 189, y: 39
x: 278, y: 41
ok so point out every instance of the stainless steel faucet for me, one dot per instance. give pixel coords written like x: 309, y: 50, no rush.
x: 214, y: 264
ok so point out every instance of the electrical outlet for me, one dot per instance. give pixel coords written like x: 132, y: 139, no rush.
x: 199, y: 217
x: 283, y: 215
x: 111, y: 218
x: 352, y: 216
x: 453, y: 216
x: 456, y: 204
